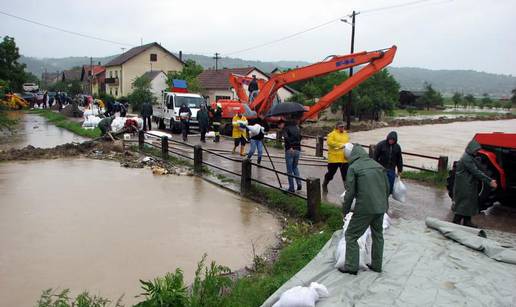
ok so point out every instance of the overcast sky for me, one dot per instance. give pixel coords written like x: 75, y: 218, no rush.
x: 457, y: 34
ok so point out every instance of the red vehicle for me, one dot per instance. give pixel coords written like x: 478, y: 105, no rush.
x: 373, y: 62
x: 497, y: 159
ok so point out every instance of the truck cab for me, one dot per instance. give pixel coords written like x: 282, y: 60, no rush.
x: 166, y: 113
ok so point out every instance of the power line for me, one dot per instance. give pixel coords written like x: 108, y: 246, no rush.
x: 412, y: 3
x: 64, y: 30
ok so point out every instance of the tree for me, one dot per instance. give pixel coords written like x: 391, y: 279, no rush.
x: 457, y: 99
x: 190, y: 72
x: 10, y: 69
x: 485, y: 101
x: 141, y: 93
x: 378, y: 93
x: 470, y: 100
x: 431, y: 97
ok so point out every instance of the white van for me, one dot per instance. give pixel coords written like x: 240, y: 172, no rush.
x: 166, y: 113
x: 30, y: 87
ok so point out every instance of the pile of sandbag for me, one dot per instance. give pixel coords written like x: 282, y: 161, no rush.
x: 364, y: 243
x: 302, y: 296
x: 95, y: 111
x: 91, y: 121
x: 119, y: 123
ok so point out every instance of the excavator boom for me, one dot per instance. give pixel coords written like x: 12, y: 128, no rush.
x: 375, y: 60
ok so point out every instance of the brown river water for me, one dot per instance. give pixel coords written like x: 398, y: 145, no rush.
x: 36, y: 131
x: 93, y: 225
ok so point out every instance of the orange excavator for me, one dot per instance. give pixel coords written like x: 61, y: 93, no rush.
x: 374, y: 61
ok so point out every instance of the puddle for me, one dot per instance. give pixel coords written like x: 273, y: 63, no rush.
x: 92, y: 225
x: 36, y: 131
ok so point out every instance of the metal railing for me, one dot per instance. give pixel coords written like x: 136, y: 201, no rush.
x: 313, y: 186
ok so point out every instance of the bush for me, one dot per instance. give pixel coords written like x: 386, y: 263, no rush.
x: 169, y: 290
x: 51, y: 298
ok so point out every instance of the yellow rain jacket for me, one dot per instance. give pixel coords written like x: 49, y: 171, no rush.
x: 237, y: 130
x: 336, y: 141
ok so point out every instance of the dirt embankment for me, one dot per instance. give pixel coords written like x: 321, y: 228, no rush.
x: 101, y: 150
x: 323, y: 128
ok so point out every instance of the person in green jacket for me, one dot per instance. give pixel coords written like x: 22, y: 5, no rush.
x: 465, y: 187
x: 367, y: 183
x: 105, y: 125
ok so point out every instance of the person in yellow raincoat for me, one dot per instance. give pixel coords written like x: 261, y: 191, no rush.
x: 336, y: 159
x: 239, y: 132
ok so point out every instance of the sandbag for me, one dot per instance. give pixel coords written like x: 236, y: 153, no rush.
x: 399, y: 190
x: 254, y: 130
x: 302, y: 296
x: 341, y: 200
x: 91, y: 121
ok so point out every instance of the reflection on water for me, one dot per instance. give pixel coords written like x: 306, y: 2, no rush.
x: 92, y: 225
x: 36, y: 131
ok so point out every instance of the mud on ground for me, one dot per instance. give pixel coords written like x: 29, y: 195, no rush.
x: 101, y: 150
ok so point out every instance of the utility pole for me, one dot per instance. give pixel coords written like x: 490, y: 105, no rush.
x: 216, y: 57
x: 91, y: 79
x: 350, y: 95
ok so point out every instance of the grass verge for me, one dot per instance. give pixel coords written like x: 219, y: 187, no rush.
x: 435, y: 179
x: 62, y: 121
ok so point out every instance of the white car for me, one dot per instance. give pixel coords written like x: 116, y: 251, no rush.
x: 30, y: 87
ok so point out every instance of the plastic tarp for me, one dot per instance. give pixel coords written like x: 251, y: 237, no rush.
x: 420, y: 268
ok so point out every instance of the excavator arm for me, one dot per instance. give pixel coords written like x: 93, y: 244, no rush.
x: 375, y: 60
x: 237, y: 82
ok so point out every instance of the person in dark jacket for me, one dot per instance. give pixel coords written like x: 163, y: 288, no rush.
x: 216, y: 118
x: 253, y: 86
x: 185, y: 113
x: 388, y: 154
x: 147, y: 112
x: 367, y: 184
x: 124, y: 107
x: 109, y: 108
x: 465, y: 188
x: 292, y: 138
x: 105, y: 125
x: 204, y: 121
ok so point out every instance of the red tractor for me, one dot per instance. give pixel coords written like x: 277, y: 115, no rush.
x: 497, y: 159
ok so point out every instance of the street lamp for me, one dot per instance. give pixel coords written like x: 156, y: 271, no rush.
x: 347, y: 115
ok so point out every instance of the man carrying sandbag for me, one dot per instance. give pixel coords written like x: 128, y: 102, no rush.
x: 367, y: 182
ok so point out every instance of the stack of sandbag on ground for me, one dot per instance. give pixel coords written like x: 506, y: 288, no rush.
x: 95, y: 111
x: 119, y: 123
x: 302, y: 296
x: 91, y: 121
x: 364, y: 244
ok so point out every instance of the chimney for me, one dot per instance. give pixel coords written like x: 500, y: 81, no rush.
x: 180, y: 55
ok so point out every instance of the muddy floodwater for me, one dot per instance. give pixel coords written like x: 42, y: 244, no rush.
x: 435, y: 140
x: 36, y: 131
x: 92, y: 225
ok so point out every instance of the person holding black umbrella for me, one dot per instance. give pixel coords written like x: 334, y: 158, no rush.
x: 292, y: 138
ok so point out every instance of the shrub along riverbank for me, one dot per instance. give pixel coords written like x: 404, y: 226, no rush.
x: 64, y: 122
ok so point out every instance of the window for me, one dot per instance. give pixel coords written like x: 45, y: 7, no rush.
x: 116, y: 73
x: 116, y: 92
x: 110, y: 92
x: 153, y: 57
x: 221, y: 97
x: 111, y: 74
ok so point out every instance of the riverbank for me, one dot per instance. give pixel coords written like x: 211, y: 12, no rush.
x: 66, y: 123
x: 325, y: 127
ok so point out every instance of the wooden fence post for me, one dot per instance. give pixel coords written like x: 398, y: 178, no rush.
x: 198, y: 159
x: 319, y: 146
x: 442, y: 164
x: 313, y: 197
x: 245, y: 180
x: 164, y: 147
x: 372, y: 148
x: 141, y: 139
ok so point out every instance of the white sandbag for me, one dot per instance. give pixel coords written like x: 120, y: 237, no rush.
x: 399, y: 190
x: 184, y: 115
x: 255, y: 130
x: 302, y: 296
x: 117, y: 123
x: 139, y: 121
x: 91, y: 121
x: 341, y: 200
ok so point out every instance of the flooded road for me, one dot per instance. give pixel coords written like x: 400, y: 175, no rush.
x: 36, y: 131
x: 92, y: 225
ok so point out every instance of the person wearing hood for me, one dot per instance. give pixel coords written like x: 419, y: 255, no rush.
x: 465, y: 188
x: 184, y: 114
x: 105, y: 125
x: 204, y: 121
x: 367, y: 183
x: 388, y: 154
x: 239, y: 132
x: 336, y: 159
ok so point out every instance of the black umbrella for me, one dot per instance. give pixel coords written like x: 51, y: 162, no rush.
x: 286, y: 108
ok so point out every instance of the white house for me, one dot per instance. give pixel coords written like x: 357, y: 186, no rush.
x: 158, y: 81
